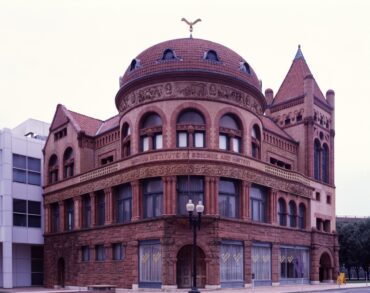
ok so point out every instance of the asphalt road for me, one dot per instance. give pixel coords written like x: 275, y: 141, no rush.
x: 349, y: 290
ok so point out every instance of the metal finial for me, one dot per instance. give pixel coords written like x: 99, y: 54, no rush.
x: 191, y: 24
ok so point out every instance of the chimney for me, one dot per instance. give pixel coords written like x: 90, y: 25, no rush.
x: 330, y: 98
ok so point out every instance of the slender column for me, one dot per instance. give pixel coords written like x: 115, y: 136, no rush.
x: 136, y: 202
x: 47, y: 218
x: 93, y: 208
x: 207, y: 197
x: 273, y: 208
x: 77, y: 212
x: 231, y: 142
x: 150, y: 141
x: 275, y: 264
x: 108, y: 192
x: 214, y: 195
x: 248, y: 263
x: 62, y: 216
x: 174, y: 201
x: 243, y: 200
x: 166, y: 195
x: 247, y: 187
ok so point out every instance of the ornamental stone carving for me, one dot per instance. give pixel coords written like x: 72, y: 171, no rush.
x: 186, y: 89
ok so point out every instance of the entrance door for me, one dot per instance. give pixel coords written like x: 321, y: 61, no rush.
x: 61, y: 272
x: 325, y: 270
x: 184, y: 267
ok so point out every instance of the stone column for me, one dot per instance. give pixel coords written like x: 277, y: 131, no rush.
x: 168, y: 264
x: 93, y: 208
x: 167, y: 195
x: 214, y: 196
x: 248, y: 263
x: 315, y: 264
x: 62, y: 216
x: 77, y: 212
x: 275, y: 264
x: 273, y: 207
x: 136, y: 200
x: 47, y: 221
x: 108, y: 192
x: 207, y: 197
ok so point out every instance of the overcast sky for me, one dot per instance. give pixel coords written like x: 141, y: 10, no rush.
x: 73, y: 52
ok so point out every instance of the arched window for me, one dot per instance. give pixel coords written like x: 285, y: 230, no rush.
x: 244, y: 66
x: 69, y: 214
x: 191, y: 129
x: 228, y: 198
x: 168, y: 54
x: 151, y: 132
x: 317, y: 159
x: 135, y: 63
x: 230, y: 136
x: 292, y: 214
x: 126, y: 140
x: 256, y: 142
x: 53, y: 169
x: 282, y: 212
x: 302, y: 216
x: 68, y: 163
x: 211, y: 55
x: 325, y: 164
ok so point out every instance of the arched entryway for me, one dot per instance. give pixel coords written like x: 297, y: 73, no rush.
x: 326, y: 268
x: 184, y: 267
x: 61, y: 272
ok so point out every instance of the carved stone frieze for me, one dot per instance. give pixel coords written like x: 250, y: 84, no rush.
x: 187, y: 89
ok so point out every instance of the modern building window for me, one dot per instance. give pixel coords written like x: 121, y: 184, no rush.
x: 53, y: 169
x: 228, y: 198
x: 117, y: 251
x: 292, y: 214
x: 189, y: 187
x: 126, y: 140
x: 230, y: 136
x: 68, y: 163
x: 26, y: 170
x: 86, y: 211
x: 55, y: 226
x: 256, y: 142
x: 294, y: 265
x: 85, y: 250
x: 282, y: 212
x: 150, y: 264
x: 151, y: 132
x: 231, y: 264
x: 191, y: 129
x: 301, y: 216
x: 211, y: 55
x: 123, y: 203
x: 26, y: 213
x: 325, y: 163
x: 258, y: 203
x: 100, y: 217
x: 99, y: 252
x: 261, y: 263
x: 69, y: 216
x: 153, y: 194
x: 317, y: 159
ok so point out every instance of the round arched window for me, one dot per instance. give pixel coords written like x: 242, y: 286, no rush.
x: 151, y: 132
x: 191, y: 129
x: 230, y: 134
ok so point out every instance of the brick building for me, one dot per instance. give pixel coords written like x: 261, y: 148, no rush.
x: 193, y: 123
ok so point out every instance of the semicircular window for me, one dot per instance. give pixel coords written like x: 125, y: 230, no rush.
x: 211, y: 55
x: 191, y: 129
x: 244, y: 66
x: 169, y: 54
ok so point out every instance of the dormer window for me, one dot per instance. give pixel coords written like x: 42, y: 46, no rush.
x: 244, y: 66
x: 135, y: 63
x: 168, y: 54
x: 211, y: 55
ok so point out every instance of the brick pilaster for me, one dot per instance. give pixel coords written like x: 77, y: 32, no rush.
x: 108, y: 192
x: 62, y: 216
x: 77, y: 212
x: 136, y: 200
x: 93, y: 208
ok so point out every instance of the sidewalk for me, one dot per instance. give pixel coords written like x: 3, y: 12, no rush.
x: 264, y: 289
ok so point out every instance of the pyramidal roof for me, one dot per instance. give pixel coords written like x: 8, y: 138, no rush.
x: 293, y: 84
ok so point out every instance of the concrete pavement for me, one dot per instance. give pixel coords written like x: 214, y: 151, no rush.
x: 263, y: 289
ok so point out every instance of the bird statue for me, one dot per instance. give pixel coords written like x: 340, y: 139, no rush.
x: 191, y: 24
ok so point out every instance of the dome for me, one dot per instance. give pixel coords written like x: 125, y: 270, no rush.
x: 189, y: 58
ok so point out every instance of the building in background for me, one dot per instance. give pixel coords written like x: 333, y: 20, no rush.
x: 192, y: 123
x: 21, y: 204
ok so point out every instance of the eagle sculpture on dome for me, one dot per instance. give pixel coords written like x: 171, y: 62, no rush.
x: 190, y: 24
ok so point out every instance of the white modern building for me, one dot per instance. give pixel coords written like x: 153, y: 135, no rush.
x: 21, y: 212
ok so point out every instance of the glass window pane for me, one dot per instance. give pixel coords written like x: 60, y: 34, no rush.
x: 19, y: 175
x: 34, y: 221
x: 145, y: 144
x: 34, y: 178
x: 191, y: 117
x: 34, y: 164
x: 182, y: 138
x: 20, y: 220
x: 148, y: 212
x: 19, y: 161
x: 34, y: 207
x: 227, y: 121
x: 158, y: 144
x: 199, y: 139
x: 151, y: 120
x: 223, y: 142
x: 236, y: 144
x: 19, y: 206
x: 261, y: 263
x: 231, y: 264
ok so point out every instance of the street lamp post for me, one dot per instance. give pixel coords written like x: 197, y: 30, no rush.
x: 194, y: 221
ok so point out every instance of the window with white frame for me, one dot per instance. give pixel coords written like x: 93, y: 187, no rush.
x: 26, y: 170
x: 26, y: 213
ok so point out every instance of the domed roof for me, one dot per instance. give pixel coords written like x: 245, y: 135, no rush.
x: 189, y: 55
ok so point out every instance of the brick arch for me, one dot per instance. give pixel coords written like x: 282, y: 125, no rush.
x: 184, y: 106
x: 48, y: 171
x: 326, y: 271
x: 136, y: 125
